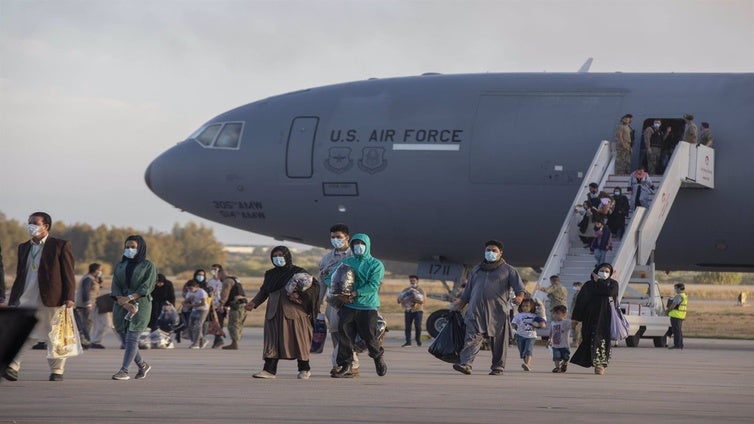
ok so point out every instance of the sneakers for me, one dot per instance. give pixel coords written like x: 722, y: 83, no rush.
x: 496, y: 372
x: 121, y: 375
x: 526, y: 367
x: 143, y: 370
x: 344, y: 372
x: 334, y: 369
x: 418, y: 342
x: 217, y: 343
x: 204, y: 344
x: 406, y: 344
x: 56, y: 377
x: 462, y: 368
x: 96, y: 346
x: 40, y: 346
x: 264, y: 374
x: 380, y: 366
x: 194, y: 346
x: 10, y: 374
x: 564, y: 366
x: 304, y: 375
x: 556, y: 370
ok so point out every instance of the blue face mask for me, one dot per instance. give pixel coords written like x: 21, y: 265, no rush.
x: 200, y: 278
x: 337, y: 242
x: 359, y: 249
x: 278, y: 260
x: 490, y: 256
x: 130, y: 253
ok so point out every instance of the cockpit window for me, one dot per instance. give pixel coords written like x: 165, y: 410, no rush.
x: 208, y: 134
x: 220, y: 135
x: 230, y: 136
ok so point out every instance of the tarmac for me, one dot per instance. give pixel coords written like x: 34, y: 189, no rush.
x: 709, y: 381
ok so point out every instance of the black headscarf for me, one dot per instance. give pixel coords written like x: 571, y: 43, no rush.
x: 603, y: 265
x: 141, y: 255
x: 276, y: 278
x: 141, y: 249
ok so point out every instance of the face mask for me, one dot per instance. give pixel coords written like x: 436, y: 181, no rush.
x: 98, y: 274
x: 490, y: 256
x: 413, y: 285
x: 359, y: 249
x: 130, y: 253
x: 213, y: 272
x: 200, y: 278
x: 617, y: 193
x: 656, y: 125
x: 278, y: 260
x: 603, y: 275
x: 34, y: 230
x: 337, y: 242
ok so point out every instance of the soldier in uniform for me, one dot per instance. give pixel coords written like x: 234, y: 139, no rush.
x: 690, y: 132
x: 655, y: 138
x: 707, y: 138
x: 623, y: 145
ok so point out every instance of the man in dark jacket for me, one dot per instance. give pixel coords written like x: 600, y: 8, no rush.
x: 44, y: 280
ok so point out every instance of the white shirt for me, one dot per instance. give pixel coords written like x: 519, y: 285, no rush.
x: 31, y: 297
x: 217, y: 287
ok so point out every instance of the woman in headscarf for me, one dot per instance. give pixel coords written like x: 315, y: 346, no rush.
x: 592, y: 310
x: 133, y: 281
x: 163, y: 292
x: 289, y: 318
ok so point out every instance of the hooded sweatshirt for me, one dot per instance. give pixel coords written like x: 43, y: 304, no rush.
x: 369, y: 273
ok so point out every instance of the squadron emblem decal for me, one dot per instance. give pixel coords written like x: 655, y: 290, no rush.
x: 373, y: 160
x: 339, y: 160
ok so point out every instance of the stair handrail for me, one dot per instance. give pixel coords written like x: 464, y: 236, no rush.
x: 625, y: 258
x: 596, y: 172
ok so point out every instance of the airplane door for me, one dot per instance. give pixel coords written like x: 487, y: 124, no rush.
x: 300, y: 149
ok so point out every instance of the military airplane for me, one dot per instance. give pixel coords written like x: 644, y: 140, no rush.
x: 432, y: 166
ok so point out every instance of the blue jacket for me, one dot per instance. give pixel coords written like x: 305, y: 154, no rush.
x: 369, y: 273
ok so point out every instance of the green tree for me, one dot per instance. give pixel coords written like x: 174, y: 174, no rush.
x: 719, y: 278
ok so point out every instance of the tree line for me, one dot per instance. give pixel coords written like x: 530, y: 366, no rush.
x: 184, y: 248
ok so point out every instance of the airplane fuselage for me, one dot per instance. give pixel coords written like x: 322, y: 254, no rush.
x: 433, y: 166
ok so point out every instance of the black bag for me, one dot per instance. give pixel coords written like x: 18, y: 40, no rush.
x: 448, y: 344
x: 104, y: 303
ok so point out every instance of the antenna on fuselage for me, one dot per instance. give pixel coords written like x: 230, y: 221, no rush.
x: 585, y: 67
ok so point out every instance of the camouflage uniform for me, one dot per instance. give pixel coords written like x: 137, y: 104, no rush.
x: 690, y: 133
x: 707, y: 138
x: 623, y: 149
x: 236, y: 319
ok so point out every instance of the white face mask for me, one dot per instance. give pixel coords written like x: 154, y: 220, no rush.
x: 130, y: 253
x: 337, y: 242
x: 413, y: 285
x: 98, y: 274
x: 200, y: 278
x: 656, y: 125
x: 490, y: 256
x: 213, y: 272
x: 278, y: 260
x: 604, y: 275
x: 34, y: 230
x: 359, y: 249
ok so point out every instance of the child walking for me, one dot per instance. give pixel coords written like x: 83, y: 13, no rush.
x: 560, y: 334
x: 526, y: 322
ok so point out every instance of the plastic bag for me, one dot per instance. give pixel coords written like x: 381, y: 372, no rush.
x: 409, y: 298
x: 448, y: 344
x: 342, y: 280
x: 320, y: 334
x: 299, y: 282
x: 619, y: 326
x: 64, y: 337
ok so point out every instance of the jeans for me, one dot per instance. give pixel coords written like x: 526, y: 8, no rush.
x: 131, y: 341
x: 676, y: 326
x: 82, y: 322
x: 414, y: 319
x: 599, y: 255
x: 196, y: 325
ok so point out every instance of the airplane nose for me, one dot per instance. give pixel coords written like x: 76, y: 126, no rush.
x: 148, y: 177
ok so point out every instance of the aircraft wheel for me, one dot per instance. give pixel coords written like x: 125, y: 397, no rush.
x: 632, y: 341
x: 661, y: 341
x: 436, y: 321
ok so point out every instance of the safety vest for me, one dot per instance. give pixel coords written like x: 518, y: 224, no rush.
x: 680, y: 311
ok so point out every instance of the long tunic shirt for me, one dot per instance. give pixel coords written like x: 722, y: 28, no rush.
x: 487, y: 295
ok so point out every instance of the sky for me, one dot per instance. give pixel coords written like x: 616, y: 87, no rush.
x: 92, y: 91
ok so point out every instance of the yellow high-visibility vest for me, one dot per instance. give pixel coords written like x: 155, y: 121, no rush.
x: 680, y: 311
